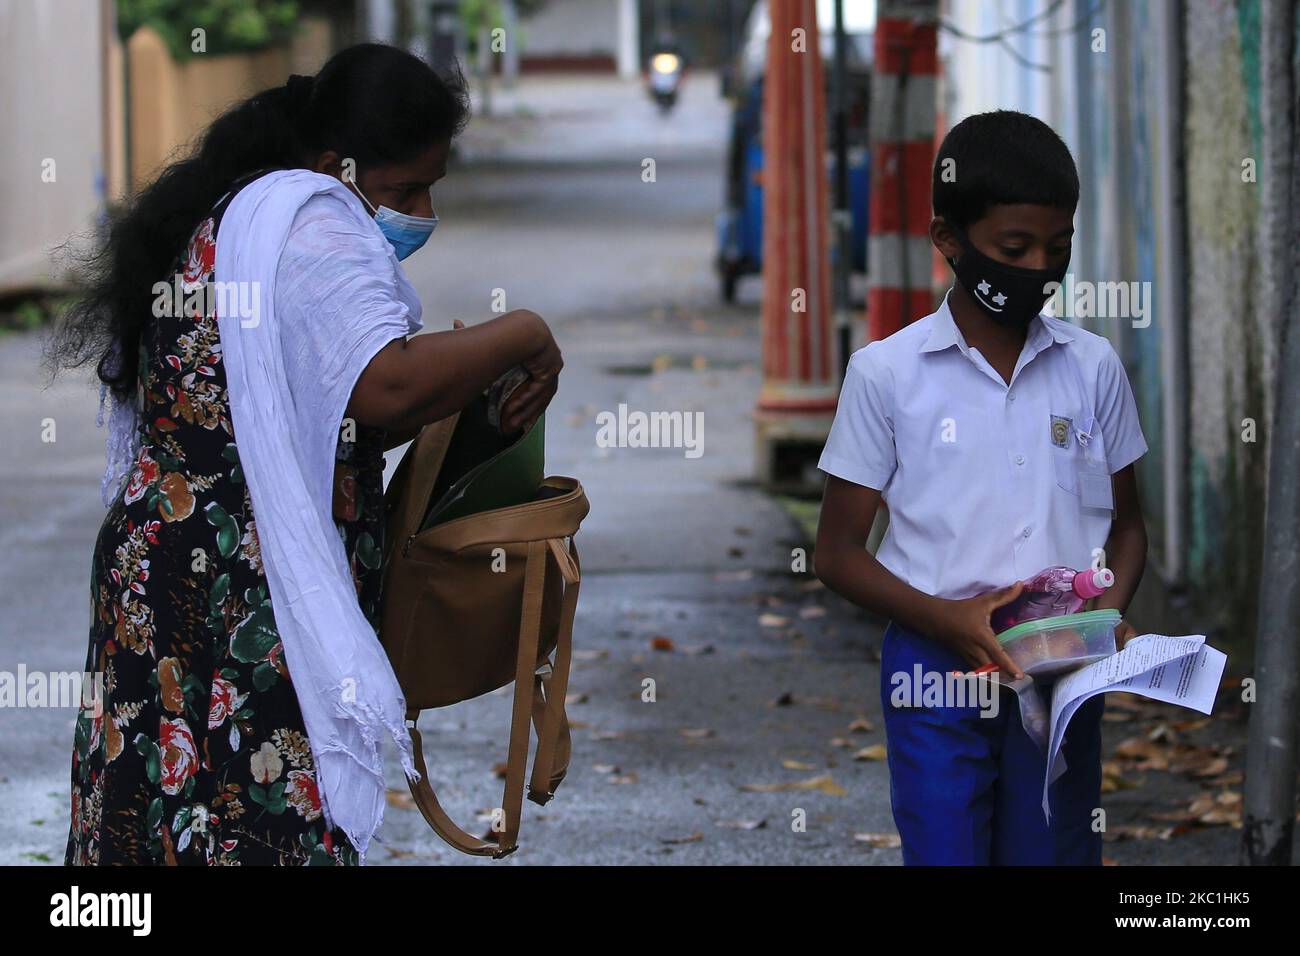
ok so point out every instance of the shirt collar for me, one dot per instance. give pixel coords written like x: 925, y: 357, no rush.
x: 1043, y: 331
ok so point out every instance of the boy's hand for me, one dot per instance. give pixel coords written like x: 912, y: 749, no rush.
x: 1124, y: 632
x: 966, y: 626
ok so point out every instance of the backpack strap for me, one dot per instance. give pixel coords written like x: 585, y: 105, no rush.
x: 547, y: 691
x: 553, y: 741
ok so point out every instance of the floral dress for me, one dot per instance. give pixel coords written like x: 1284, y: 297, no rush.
x: 196, y: 752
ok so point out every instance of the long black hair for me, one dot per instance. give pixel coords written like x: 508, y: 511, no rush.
x: 372, y: 103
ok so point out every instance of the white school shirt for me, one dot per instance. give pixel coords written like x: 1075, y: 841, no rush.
x: 979, y: 493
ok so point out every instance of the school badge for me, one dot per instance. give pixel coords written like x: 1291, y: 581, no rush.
x: 1061, y: 431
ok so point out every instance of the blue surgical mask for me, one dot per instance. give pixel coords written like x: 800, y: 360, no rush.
x: 404, y: 233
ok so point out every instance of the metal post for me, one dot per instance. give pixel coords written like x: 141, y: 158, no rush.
x: 1268, y: 822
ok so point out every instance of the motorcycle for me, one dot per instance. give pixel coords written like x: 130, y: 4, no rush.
x: 664, y: 78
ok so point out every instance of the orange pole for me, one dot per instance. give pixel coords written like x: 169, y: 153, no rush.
x: 902, y: 153
x: 799, y: 387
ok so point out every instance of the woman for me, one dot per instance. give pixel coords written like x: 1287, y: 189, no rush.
x: 235, y: 579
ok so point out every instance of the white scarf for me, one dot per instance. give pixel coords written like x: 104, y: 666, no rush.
x: 286, y: 415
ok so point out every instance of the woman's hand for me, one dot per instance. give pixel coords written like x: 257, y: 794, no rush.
x: 527, y: 402
x: 966, y: 626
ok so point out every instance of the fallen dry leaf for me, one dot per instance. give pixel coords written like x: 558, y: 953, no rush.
x: 1233, y: 778
x: 874, y: 752
x: 824, y: 784
x: 1112, y: 778
x: 1136, y: 832
x: 570, y: 699
x: 1163, y: 732
x: 883, y: 841
x: 1148, y: 754
x: 841, y: 742
x: 812, y: 611
x: 743, y: 824
x: 605, y: 768
x: 625, y: 779
x: 695, y: 837
x: 586, y: 655
x: 1212, y: 769
x: 661, y: 643
x: 1223, y: 809
x: 400, y: 799
x: 772, y: 620
x: 862, y: 726
x: 697, y: 733
x: 796, y: 765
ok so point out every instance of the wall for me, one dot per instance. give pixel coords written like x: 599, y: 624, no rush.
x: 172, y: 103
x: 573, y: 34
x: 1160, y: 122
x: 50, y: 69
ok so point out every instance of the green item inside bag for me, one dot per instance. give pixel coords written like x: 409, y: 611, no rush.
x: 485, y: 470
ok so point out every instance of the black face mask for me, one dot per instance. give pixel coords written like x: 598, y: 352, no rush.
x: 1008, y: 295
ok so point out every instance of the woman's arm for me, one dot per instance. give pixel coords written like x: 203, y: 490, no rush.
x: 411, y: 382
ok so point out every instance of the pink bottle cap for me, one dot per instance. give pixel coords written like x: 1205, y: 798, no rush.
x: 1093, y: 582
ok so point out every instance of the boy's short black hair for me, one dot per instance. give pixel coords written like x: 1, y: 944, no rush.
x: 1000, y: 158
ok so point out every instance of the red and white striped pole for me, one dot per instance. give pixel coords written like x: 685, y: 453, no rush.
x: 902, y: 154
x: 797, y: 400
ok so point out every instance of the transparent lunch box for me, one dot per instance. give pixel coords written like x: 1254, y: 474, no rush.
x: 1054, y: 645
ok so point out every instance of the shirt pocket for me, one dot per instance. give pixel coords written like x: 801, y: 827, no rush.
x: 1064, y: 449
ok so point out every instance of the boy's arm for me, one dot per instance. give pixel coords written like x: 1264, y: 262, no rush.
x: 844, y: 565
x: 1126, y: 550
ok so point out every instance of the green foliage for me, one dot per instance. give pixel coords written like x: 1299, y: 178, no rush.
x: 230, y: 25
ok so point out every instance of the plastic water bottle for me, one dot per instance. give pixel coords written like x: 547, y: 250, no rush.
x: 1052, y: 592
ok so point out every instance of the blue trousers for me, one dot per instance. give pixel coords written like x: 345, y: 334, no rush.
x: 967, y: 789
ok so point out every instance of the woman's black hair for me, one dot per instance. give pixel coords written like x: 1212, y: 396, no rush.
x: 371, y: 103
x: 1001, y: 158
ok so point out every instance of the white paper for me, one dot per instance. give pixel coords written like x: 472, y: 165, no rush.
x: 1176, y: 670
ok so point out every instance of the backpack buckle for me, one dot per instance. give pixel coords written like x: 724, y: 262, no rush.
x: 539, y: 797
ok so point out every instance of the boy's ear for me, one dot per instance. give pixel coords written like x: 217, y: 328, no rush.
x: 943, y: 239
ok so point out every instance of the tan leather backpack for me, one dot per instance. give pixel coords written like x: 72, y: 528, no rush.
x: 461, y: 618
